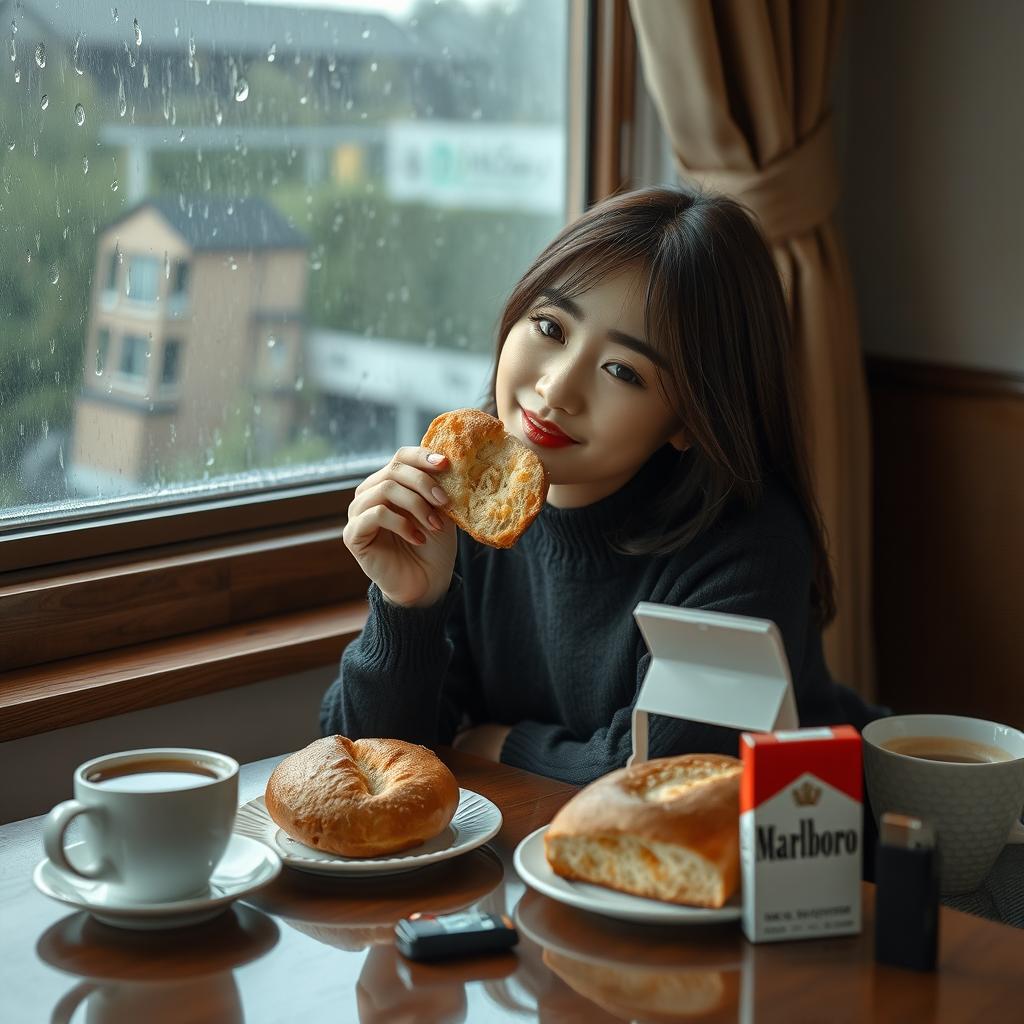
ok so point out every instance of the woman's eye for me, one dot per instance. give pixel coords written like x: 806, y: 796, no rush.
x: 548, y: 327
x: 623, y: 373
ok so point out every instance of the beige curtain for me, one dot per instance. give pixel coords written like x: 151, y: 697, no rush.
x: 741, y: 87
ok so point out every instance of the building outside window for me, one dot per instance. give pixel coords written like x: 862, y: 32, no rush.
x: 359, y: 183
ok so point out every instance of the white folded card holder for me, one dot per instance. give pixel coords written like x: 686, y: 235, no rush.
x: 712, y: 667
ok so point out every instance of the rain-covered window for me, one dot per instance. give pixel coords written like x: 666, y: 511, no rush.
x: 247, y: 244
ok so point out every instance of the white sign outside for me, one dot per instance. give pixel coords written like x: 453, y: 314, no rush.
x: 478, y: 166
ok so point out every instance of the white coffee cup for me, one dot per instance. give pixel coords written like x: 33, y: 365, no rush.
x: 974, y: 808
x: 155, y: 822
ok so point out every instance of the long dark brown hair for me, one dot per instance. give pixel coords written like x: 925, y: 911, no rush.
x: 715, y: 309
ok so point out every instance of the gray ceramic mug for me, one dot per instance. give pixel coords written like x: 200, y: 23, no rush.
x: 974, y: 807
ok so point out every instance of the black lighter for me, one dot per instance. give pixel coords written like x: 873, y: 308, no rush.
x: 907, y: 893
x: 438, y: 937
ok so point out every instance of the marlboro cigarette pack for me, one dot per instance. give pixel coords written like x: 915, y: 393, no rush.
x: 800, y: 833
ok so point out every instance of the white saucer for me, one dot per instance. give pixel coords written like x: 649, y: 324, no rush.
x: 535, y: 871
x: 476, y: 820
x: 246, y: 865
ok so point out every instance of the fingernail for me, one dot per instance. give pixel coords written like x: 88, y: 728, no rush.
x: 434, y: 521
x: 435, y: 458
x: 439, y: 496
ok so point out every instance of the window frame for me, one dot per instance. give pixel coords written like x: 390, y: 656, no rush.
x: 213, y: 549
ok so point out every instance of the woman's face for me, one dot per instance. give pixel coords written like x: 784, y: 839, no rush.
x: 578, y: 385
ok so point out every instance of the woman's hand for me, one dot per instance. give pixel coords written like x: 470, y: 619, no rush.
x: 398, y: 533
x: 483, y: 740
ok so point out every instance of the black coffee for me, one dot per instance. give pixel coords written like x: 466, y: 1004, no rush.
x: 951, y: 749
x: 155, y: 775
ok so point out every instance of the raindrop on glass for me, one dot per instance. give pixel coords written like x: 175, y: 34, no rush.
x: 167, y: 266
x: 85, y: 165
x: 113, y: 185
x: 113, y: 11
x: 145, y: 75
x: 122, y: 104
x: 271, y: 341
x: 366, y: 33
x: 181, y: 137
x: 11, y: 145
x: 14, y: 28
x: 60, y: 456
x: 138, y: 33
x: 54, y: 274
x: 300, y: 383
x: 79, y: 114
x: 272, y: 53
x: 177, y: 28
x: 44, y: 102
x: 40, y: 55
x: 191, y: 45
x: 17, y: 76
x: 28, y: 255
x: 74, y: 58
x: 242, y: 90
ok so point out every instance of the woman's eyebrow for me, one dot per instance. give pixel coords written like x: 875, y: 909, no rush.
x: 642, y: 347
x: 558, y: 298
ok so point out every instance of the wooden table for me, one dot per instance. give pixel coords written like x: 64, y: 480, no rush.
x: 314, y: 949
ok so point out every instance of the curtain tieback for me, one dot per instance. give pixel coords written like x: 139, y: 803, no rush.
x: 792, y: 195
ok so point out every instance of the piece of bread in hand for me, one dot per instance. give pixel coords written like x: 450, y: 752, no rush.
x: 667, y: 829
x: 495, y: 485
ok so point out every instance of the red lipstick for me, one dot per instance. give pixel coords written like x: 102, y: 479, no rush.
x: 544, y: 433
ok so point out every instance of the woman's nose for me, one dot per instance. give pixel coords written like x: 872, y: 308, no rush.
x: 561, y: 386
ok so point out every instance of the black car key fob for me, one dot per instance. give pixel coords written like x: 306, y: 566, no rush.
x: 440, y: 937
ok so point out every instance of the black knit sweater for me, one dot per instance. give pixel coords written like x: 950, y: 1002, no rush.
x: 541, y: 636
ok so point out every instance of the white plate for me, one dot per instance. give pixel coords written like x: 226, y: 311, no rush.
x: 246, y: 866
x: 476, y: 820
x: 535, y: 871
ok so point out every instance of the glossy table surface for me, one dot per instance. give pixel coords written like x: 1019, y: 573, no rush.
x: 307, y: 948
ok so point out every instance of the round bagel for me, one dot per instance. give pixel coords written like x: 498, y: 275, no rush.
x: 495, y: 485
x: 362, y: 798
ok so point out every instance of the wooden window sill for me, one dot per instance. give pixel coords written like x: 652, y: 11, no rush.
x: 57, y: 694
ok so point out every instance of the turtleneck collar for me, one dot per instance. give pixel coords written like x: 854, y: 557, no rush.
x: 580, y: 535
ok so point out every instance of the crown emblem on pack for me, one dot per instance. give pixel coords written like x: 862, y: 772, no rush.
x: 806, y: 794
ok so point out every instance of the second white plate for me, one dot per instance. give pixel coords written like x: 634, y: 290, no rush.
x: 476, y: 821
x: 535, y: 871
